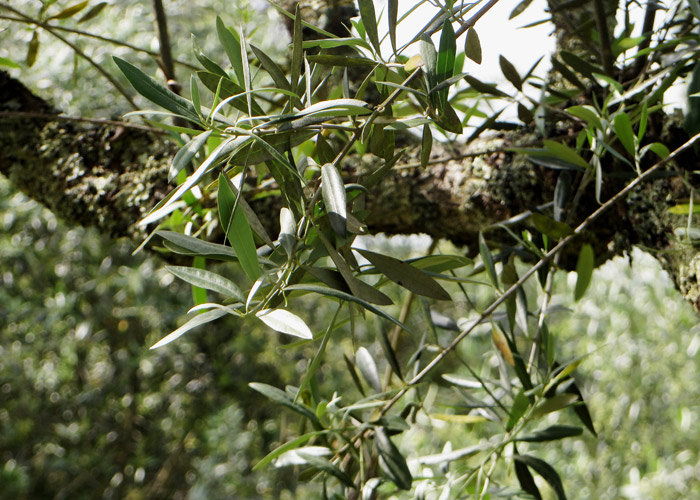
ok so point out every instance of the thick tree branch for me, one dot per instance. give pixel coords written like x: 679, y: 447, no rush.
x: 108, y: 176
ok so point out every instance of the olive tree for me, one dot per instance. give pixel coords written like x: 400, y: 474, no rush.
x: 275, y: 165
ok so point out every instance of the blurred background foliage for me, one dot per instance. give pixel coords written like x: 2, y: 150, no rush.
x: 87, y: 411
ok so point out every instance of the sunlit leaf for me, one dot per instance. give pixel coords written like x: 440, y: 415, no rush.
x: 209, y: 280
x: 156, y: 92
x: 284, y: 399
x: 290, y: 445
x: 198, y: 320
x: 186, y: 153
x: 4, y: 61
x: 555, y: 403
x: 285, y: 322
x: 501, y: 343
x: 564, y: 152
x: 368, y: 368
x: 460, y: 419
x: 333, y: 190
x: 369, y: 21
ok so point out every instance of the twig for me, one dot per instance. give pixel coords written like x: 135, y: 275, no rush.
x: 78, y: 51
x: 604, y: 35
x: 647, y: 28
x: 166, y: 56
x: 66, y: 118
x: 96, y: 37
x: 548, y: 256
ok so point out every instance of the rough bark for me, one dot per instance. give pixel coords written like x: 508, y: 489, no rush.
x: 108, y: 176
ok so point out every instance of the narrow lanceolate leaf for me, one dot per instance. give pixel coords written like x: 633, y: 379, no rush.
x: 232, y: 47
x: 288, y: 231
x: 334, y: 197
x: 156, y: 92
x: 290, y: 445
x: 255, y: 223
x: 189, y: 245
x: 209, y: 280
x: 472, y: 46
x: 446, y: 57
x: 236, y: 227
x: 555, y: 403
x: 4, y: 61
x: 393, y: 14
x: 519, y: 9
x: 272, y: 68
x: 426, y: 146
x: 406, y: 275
x: 285, y: 322
x: 369, y: 21
x: 460, y: 419
x: 326, y: 466
x: 297, y: 50
x: 284, y: 399
x: 393, y: 462
x: 347, y: 297
x: 527, y: 482
x: 368, y: 368
x: 624, y: 132
x: 429, y: 56
x: 564, y: 152
x: 552, y: 228
x: 93, y: 12
x: 520, y: 405
x: 32, y: 50
x: 70, y: 11
x: 487, y: 260
x: 198, y: 320
x: 185, y: 155
x: 584, y: 270
x: 552, y: 433
x: 546, y: 471
x: 501, y: 343
x: 510, y: 73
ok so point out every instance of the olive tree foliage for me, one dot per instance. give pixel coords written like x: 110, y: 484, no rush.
x: 310, y: 140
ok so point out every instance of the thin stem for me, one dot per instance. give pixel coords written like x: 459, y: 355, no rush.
x: 547, y: 257
x: 647, y: 28
x: 472, y: 20
x: 96, y: 121
x: 78, y: 51
x: 166, y: 57
x: 604, y: 35
x: 105, y: 39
